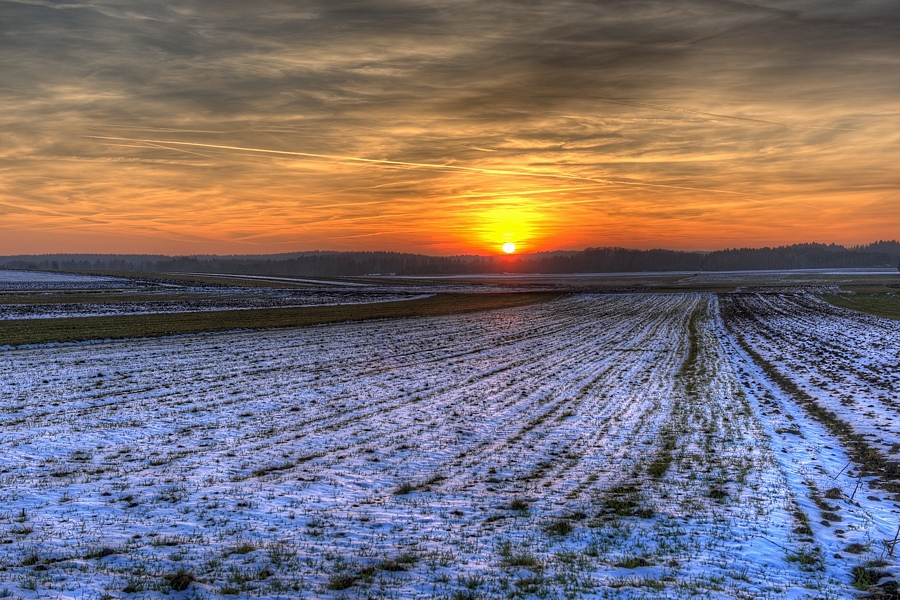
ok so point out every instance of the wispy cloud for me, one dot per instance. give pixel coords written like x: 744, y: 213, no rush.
x: 505, y: 173
x: 663, y: 107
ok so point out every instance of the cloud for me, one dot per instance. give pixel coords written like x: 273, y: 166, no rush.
x: 789, y: 105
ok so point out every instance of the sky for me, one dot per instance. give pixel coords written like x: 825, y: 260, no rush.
x: 446, y: 127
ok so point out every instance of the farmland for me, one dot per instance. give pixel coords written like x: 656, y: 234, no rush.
x: 882, y: 305
x: 594, y: 445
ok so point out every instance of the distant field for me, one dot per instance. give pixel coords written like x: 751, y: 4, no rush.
x: 219, y: 280
x: 38, y: 331
x: 105, y: 297
x: 882, y: 305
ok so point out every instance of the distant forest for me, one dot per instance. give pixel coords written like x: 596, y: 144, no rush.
x: 590, y: 260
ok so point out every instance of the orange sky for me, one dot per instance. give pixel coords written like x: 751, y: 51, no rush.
x: 445, y: 127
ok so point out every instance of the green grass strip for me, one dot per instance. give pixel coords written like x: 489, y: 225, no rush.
x: 78, y: 329
x: 881, y: 305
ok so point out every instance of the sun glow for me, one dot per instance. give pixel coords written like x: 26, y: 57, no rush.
x: 510, y: 227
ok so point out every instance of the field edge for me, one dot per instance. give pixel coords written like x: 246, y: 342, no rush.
x: 21, y: 332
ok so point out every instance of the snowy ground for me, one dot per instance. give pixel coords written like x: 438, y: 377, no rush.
x: 38, y: 280
x: 599, y: 446
x: 229, y: 299
x: 846, y: 362
x: 36, y: 294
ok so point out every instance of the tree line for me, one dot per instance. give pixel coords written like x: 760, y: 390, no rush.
x: 590, y: 260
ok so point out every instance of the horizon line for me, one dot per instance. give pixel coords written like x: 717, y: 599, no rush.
x: 498, y: 255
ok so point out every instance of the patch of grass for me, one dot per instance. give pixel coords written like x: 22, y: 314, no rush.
x: 179, y: 580
x: 662, y: 462
x: 404, y: 488
x: 21, y: 530
x: 133, y: 586
x: 531, y: 586
x: 169, y: 541
x: 518, y: 505
x: 511, y: 558
x: 865, y: 576
x: 718, y: 494
x: 402, y: 563
x: 881, y: 305
x: 470, y: 583
x: 273, y: 468
x: 625, y: 501
x: 342, y: 581
x: 433, y: 480
x: 577, y: 515
x: 834, y: 494
x: 855, y: 548
x: 634, y: 562
x: 77, y: 329
x: 559, y: 528
x: 242, y: 548
x: 31, y: 560
x: 809, y: 559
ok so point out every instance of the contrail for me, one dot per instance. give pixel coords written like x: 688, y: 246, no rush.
x: 399, y: 163
x: 165, y: 129
x: 161, y: 147
x: 377, y: 161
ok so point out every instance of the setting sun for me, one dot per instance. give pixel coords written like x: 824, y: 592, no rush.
x: 509, y: 247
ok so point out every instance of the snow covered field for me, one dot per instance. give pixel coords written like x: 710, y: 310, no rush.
x: 597, y: 446
x: 38, y: 280
x: 203, y: 301
x: 39, y: 294
x: 846, y: 362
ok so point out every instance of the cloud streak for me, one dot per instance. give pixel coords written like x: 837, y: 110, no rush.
x: 163, y: 145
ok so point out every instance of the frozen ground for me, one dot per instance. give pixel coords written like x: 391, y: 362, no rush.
x: 37, y: 280
x: 36, y: 294
x: 202, y: 300
x: 846, y: 362
x: 792, y: 274
x: 599, y: 447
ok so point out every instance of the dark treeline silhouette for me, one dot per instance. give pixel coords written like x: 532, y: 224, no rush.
x: 590, y: 260
x: 804, y: 256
